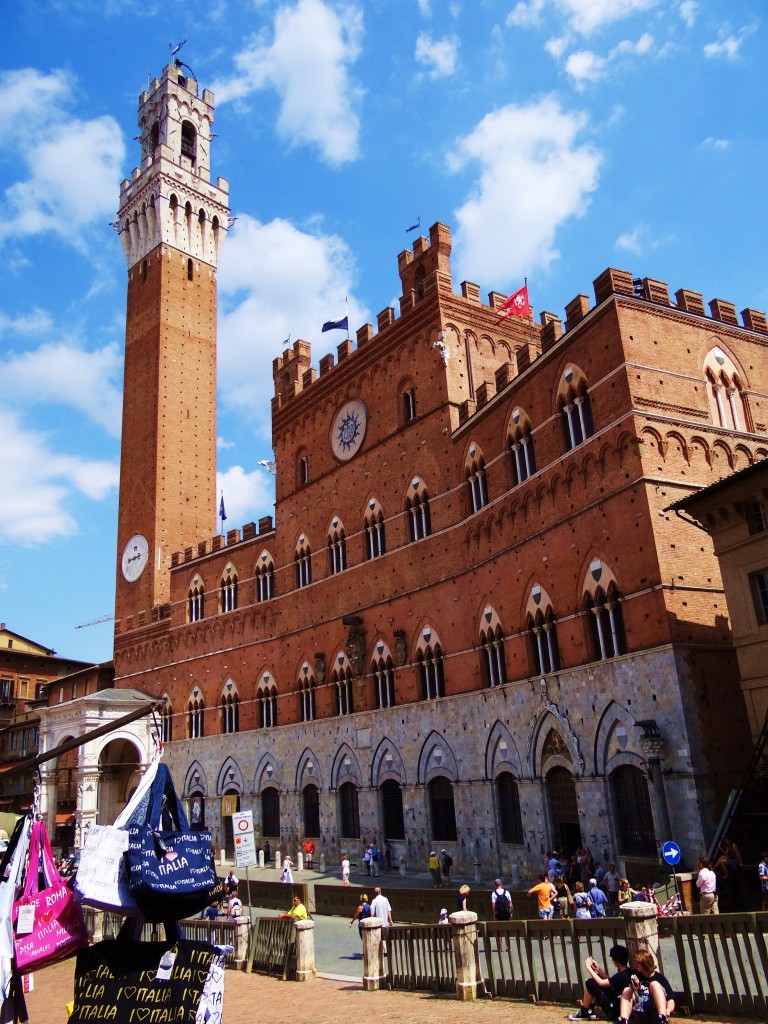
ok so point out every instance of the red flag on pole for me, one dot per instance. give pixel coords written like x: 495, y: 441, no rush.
x: 517, y: 304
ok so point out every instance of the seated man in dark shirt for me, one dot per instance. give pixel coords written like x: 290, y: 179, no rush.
x: 648, y: 997
x: 604, y: 991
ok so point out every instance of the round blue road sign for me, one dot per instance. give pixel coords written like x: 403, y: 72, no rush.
x: 671, y: 853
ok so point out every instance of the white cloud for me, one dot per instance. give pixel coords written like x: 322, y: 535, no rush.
x: 307, y: 63
x: 557, y: 47
x: 38, y: 485
x: 689, y: 10
x: 727, y: 47
x: 585, y: 66
x: 50, y: 144
x: 439, y: 55
x: 714, y: 143
x: 37, y: 321
x: 424, y: 8
x: 277, y: 280
x: 245, y: 494
x: 583, y: 16
x: 62, y: 374
x: 534, y: 176
x: 631, y: 241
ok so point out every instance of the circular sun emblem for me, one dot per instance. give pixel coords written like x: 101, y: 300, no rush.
x: 348, y: 429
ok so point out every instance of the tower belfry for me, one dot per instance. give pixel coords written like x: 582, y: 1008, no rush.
x: 172, y: 224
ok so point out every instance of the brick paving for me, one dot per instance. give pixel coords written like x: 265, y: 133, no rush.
x: 250, y: 997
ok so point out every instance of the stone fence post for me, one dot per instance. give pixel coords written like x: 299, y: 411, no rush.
x: 402, y: 867
x: 464, y: 935
x: 373, y: 954
x: 642, y: 926
x: 242, y: 928
x: 305, y: 950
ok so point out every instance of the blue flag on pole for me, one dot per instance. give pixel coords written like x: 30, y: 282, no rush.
x: 222, y: 513
x: 336, y: 325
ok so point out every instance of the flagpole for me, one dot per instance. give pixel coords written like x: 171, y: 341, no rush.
x: 346, y: 313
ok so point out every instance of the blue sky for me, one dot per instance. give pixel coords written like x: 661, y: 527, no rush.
x: 555, y: 137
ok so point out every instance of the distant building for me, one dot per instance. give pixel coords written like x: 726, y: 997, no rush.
x: 471, y: 622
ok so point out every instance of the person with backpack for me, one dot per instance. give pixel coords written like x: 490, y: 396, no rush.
x: 446, y: 863
x: 501, y: 903
x: 362, y: 913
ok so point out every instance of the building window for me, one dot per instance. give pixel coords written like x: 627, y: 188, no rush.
x: 307, y: 695
x: 419, y: 522
x: 605, y: 624
x: 393, y: 819
x: 270, y: 812
x: 637, y: 837
x: 375, y: 540
x: 521, y: 448
x: 230, y: 713
x: 758, y: 582
x: 727, y: 401
x: 228, y: 588
x: 757, y: 517
x: 476, y: 480
x: 349, y: 812
x: 408, y: 407
x: 494, y: 665
x: 265, y: 579
x: 196, y: 601
x: 429, y: 662
x: 384, y: 682
x: 337, y: 549
x: 442, y: 810
x: 196, y: 714
x: 6, y: 690
x: 576, y: 412
x: 310, y: 806
x: 508, y: 801
x: 342, y: 691
x: 190, y: 270
x: 189, y: 141
x: 166, y: 722
x: 303, y: 560
x: 543, y: 632
x: 302, y: 467
x: 267, y: 701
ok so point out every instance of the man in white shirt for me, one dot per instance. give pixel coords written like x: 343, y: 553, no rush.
x: 380, y: 908
x: 706, y: 883
x: 611, y: 884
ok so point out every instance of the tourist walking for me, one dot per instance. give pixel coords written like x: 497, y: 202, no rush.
x: 309, y: 852
x: 362, y: 913
x: 345, y: 869
x: 434, y: 869
x: 599, y: 899
x: 546, y: 894
x: 446, y: 863
x: 706, y: 883
x: 501, y: 905
x: 287, y: 875
x: 382, y: 910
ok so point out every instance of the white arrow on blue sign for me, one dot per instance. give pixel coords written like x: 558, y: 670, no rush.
x: 671, y: 853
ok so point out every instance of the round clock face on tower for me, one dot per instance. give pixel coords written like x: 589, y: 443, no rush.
x: 135, y: 557
x: 348, y: 429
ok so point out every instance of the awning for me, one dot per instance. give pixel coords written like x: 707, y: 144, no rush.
x: 64, y: 819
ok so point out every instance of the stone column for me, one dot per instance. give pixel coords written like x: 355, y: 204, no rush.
x: 242, y: 925
x: 373, y: 954
x: 323, y: 864
x: 402, y: 867
x: 300, y: 861
x: 464, y: 934
x: 642, y: 927
x: 305, y: 950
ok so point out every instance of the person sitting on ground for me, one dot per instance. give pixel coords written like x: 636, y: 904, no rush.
x: 362, y: 913
x: 298, y: 911
x: 603, y: 990
x: 648, y: 997
x: 234, y: 904
x: 545, y: 893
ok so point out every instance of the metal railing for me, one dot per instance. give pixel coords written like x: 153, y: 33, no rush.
x: 273, y: 946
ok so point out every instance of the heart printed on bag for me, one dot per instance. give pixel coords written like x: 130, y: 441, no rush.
x: 46, y: 917
x: 142, y: 1012
x: 171, y: 855
x: 129, y: 991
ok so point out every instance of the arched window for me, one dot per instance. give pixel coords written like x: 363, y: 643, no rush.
x: 270, y: 813
x: 392, y: 816
x: 310, y: 806
x: 375, y: 541
x: 302, y: 467
x: 429, y: 662
x: 196, y: 601
x: 634, y: 817
x: 228, y: 590
x: 575, y: 408
x: 196, y: 716
x: 342, y: 687
x: 508, y: 803
x: 442, y: 810
x: 337, y: 547
x: 383, y: 672
x: 493, y: 661
x: 266, y: 697
x: 349, y: 813
x: 542, y: 630
x: 605, y: 623
x: 166, y: 722
x: 417, y: 511
x: 727, y: 401
x: 189, y: 141
x: 154, y: 135
x: 477, y: 486
x: 265, y: 577
x: 521, y: 447
x: 307, y: 694
x: 303, y: 562
x: 190, y: 270
x: 230, y: 712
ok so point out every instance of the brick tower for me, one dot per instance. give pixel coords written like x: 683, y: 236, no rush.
x: 172, y: 223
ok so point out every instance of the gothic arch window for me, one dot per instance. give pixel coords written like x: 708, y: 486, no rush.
x: 417, y: 510
x: 303, y: 562
x: 166, y: 721
x: 429, y: 665
x: 144, y: 270
x: 520, y: 440
x: 302, y: 467
x: 266, y: 698
x: 265, y: 577
x: 307, y: 694
x: 189, y: 141
x: 190, y: 270
x: 154, y: 136
x: 383, y: 672
x: 337, y: 547
x: 310, y: 809
x: 349, y: 812
x: 341, y: 683
x: 477, y: 484
x: 575, y: 408
x: 270, y: 812
x: 493, y: 664
x: 392, y: 817
x: 228, y: 590
x: 727, y: 401
x: 407, y: 404
x: 634, y: 817
x: 442, y: 810
x: 230, y: 708
x: 541, y: 626
x: 196, y: 716
x: 605, y: 623
x: 508, y: 804
x: 375, y: 539
x: 196, y: 600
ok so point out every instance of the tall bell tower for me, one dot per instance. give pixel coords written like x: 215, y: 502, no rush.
x: 172, y: 224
